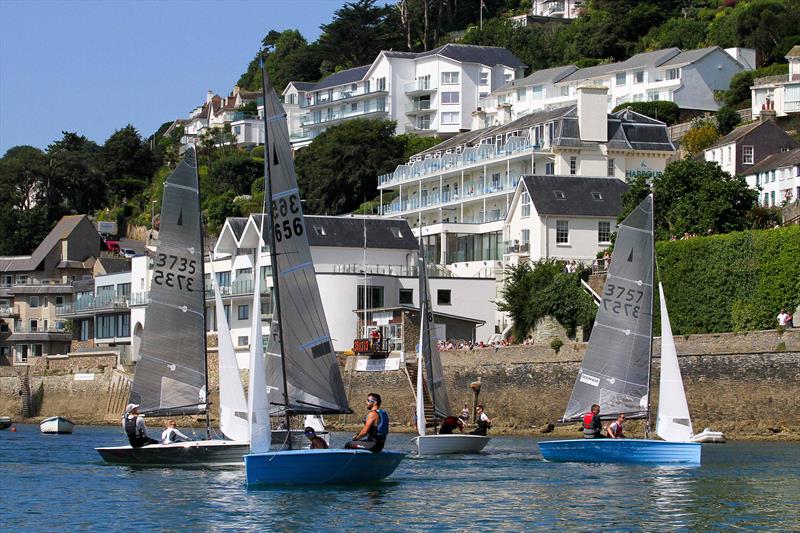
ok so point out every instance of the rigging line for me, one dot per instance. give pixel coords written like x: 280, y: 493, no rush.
x: 179, y: 307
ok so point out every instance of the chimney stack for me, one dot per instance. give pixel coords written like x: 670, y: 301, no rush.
x: 592, y: 113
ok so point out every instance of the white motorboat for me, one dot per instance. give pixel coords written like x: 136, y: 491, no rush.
x: 708, y: 436
x: 57, y: 424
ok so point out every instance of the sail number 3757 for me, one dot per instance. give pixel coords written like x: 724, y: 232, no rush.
x: 621, y: 300
x: 178, y: 271
x: 287, y: 217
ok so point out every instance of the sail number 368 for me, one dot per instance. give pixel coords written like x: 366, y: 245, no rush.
x: 621, y: 300
x: 287, y: 218
x: 182, y: 279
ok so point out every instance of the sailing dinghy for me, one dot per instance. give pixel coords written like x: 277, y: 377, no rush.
x: 299, y: 374
x: 171, y: 377
x: 615, y: 372
x: 428, y: 354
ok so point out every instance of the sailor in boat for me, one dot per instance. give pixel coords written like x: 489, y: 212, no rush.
x: 317, y: 443
x: 592, y: 427
x: 134, y: 427
x: 173, y: 434
x: 483, y: 421
x: 450, y: 424
x: 372, y: 436
x: 614, y: 430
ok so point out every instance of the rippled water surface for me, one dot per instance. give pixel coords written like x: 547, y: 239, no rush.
x: 51, y: 482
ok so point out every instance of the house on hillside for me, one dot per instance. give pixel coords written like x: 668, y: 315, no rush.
x: 747, y: 145
x: 779, y: 93
x: 776, y: 178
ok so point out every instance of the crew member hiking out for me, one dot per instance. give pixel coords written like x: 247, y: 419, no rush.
x: 592, y: 427
x: 372, y: 436
x: 134, y: 427
x: 450, y: 424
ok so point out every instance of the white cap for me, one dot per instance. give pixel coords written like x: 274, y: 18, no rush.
x: 131, y: 407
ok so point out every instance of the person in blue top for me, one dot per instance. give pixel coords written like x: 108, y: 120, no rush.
x: 372, y: 436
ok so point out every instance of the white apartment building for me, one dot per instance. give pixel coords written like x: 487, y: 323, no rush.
x: 776, y: 178
x: 433, y: 92
x: 779, y: 93
x: 568, y: 9
x: 688, y: 78
x: 458, y: 194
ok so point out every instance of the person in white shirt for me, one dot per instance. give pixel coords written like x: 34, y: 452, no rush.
x: 783, y: 318
x: 173, y: 434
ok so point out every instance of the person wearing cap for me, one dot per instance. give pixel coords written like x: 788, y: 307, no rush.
x: 134, y: 427
x: 317, y: 442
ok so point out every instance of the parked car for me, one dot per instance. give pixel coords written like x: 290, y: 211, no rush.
x: 128, y: 252
x: 111, y: 246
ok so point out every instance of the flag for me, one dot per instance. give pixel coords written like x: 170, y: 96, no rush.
x: 483, y: 6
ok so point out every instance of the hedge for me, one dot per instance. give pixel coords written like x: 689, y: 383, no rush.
x: 733, y: 282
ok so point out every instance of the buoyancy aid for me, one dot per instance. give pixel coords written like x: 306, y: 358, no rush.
x: 130, y: 428
x: 616, y: 429
x: 591, y: 425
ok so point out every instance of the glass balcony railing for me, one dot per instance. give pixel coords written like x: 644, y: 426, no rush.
x: 310, y: 101
x: 334, y: 116
x: 422, y: 85
x: 418, y: 106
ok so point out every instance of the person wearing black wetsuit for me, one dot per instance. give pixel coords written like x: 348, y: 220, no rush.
x: 134, y: 427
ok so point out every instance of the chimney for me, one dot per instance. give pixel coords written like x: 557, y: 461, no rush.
x: 209, y: 96
x: 592, y: 113
x: 767, y: 111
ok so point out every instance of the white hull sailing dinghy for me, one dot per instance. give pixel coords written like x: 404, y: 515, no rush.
x: 171, y: 377
x: 299, y: 374
x: 428, y: 355
x: 709, y: 436
x: 615, y: 372
x: 57, y: 424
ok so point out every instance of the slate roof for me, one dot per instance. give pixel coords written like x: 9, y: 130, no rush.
x: 113, y: 265
x: 548, y: 75
x: 738, y: 133
x: 348, y: 232
x: 303, y: 85
x: 643, y: 60
x: 776, y: 161
x: 690, y: 56
x: 350, y: 75
x: 60, y: 231
x: 466, y: 53
x: 237, y: 225
x: 578, y: 198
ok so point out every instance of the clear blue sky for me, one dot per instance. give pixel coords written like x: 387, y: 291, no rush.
x: 93, y: 67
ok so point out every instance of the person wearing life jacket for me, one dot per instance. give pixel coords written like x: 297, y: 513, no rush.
x: 614, y: 430
x: 134, y: 427
x: 592, y: 427
x: 482, y: 420
x: 372, y: 436
x: 451, y: 424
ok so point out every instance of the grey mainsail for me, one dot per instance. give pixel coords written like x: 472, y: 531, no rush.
x: 615, y: 371
x: 312, y: 374
x: 434, y: 373
x: 170, y: 378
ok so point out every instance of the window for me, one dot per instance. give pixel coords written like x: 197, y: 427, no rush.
x: 772, y: 198
x: 603, y: 232
x: 443, y: 297
x: 525, y: 238
x: 673, y: 73
x: 224, y: 279
x: 242, y: 341
x: 353, y: 108
x: 621, y: 78
x: 105, y: 327
x: 60, y: 300
x: 244, y: 311
x: 4, y: 327
x: 450, y: 118
x: 564, y: 90
x: 610, y: 169
x: 596, y: 196
x: 521, y: 94
x: 638, y: 76
x: 573, y: 165
x: 559, y: 195
x: 85, y: 330
x: 450, y: 98
x: 508, y: 77
x: 374, y: 296
x: 37, y: 350
x: 123, y: 325
x: 407, y: 296
x: 449, y: 78
x: 484, y: 78
x: 227, y: 309
x: 652, y: 96
x: 397, y: 233
x: 33, y: 301
x: 562, y: 231
x: 526, y: 205
x: 243, y: 271
x: 747, y: 155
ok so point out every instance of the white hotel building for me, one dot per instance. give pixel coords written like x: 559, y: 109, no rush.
x: 429, y: 93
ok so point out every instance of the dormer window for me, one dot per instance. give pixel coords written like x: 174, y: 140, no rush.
x: 596, y: 196
x: 319, y: 230
x: 560, y: 195
x: 397, y: 233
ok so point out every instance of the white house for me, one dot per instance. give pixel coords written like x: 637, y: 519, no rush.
x: 433, y: 92
x: 568, y: 9
x: 688, y: 78
x: 458, y: 194
x: 779, y: 93
x: 776, y: 178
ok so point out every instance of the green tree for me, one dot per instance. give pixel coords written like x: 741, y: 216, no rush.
x: 290, y: 58
x: 127, y: 162
x: 701, y: 135
x: 75, y: 179
x: 414, y: 144
x: 219, y: 208
x: 235, y: 172
x: 683, y: 33
x: 341, y: 166
x: 727, y: 119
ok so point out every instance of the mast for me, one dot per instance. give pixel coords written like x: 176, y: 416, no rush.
x: 650, y: 363
x: 423, y: 301
x: 273, y: 258
x: 205, y: 314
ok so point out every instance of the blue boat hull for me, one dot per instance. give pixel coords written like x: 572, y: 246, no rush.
x: 632, y: 451
x: 319, y: 467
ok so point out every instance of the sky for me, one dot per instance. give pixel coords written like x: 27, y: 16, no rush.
x: 93, y: 67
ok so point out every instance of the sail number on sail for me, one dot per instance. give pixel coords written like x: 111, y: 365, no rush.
x: 621, y: 300
x: 287, y: 218
x: 179, y: 271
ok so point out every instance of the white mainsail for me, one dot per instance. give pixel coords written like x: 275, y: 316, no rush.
x: 258, y: 394
x: 674, y: 423
x: 420, y: 391
x: 232, y: 402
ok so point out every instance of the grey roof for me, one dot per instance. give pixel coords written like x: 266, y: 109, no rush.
x: 465, y: 138
x: 629, y: 129
x: 237, y: 225
x: 350, y: 75
x: 740, y: 132
x: 467, y: 53
x: 776, y: 161
x: 113, y: 265
x: 643, y: 60
x: 544, y: 76
x: 690, y: 56
x: 60, y: 231
x: 348, y: 232
x: 303, y: 85
x: 578, y: 198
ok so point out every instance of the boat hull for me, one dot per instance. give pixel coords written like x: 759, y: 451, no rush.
x: 57, y: 425
x: 319, y: 467
x: 446, y: 444
x: 632, y: 451
x: 194, y: 453
x: 5, y: 422
x: 709, y: 437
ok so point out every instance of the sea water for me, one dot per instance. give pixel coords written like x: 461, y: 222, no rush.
x: 58, y: 482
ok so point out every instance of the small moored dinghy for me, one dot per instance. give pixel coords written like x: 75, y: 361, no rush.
x: 57, y: 425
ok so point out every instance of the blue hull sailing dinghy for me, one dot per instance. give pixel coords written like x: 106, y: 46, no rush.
x: 171, y: 377
x: 299, y: 374
x: 615, y: 373
x: 428, y: 354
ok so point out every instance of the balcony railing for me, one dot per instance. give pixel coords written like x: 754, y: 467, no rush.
x: 437, y: 271
x: 423, y: 85
x: 517, y: 248
x: 472, y: 156
x: 40, y: 329
x: 334, y: 116
x: 6, y: 312
x: 424, y: 105
x: 340, y: 96
x: 780, y: 78
x: 93, y: 304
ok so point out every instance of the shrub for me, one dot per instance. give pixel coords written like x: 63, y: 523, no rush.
x: 556, y: 345
x: 702, y: 135
x: 727, y: 119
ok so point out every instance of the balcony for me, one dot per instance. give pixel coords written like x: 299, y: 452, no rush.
x: 434, y: 271
x: 776, y: 80
x: 334, y: 117
x: 39, y: 333
x: 423, y: 86
x: 417, y: 107
x: 517, y: 248
x: 8, y: 312
x: 342, y: 96
x: 88, y: 306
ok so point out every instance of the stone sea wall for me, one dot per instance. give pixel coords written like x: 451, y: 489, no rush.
x: 747, y: 385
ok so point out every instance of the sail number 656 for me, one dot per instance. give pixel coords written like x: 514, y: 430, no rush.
x: 290, y: 226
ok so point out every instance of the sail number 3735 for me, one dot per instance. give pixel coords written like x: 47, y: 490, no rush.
x: 621, y: 300
x: 287, y: 217
x: 178, y: 271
